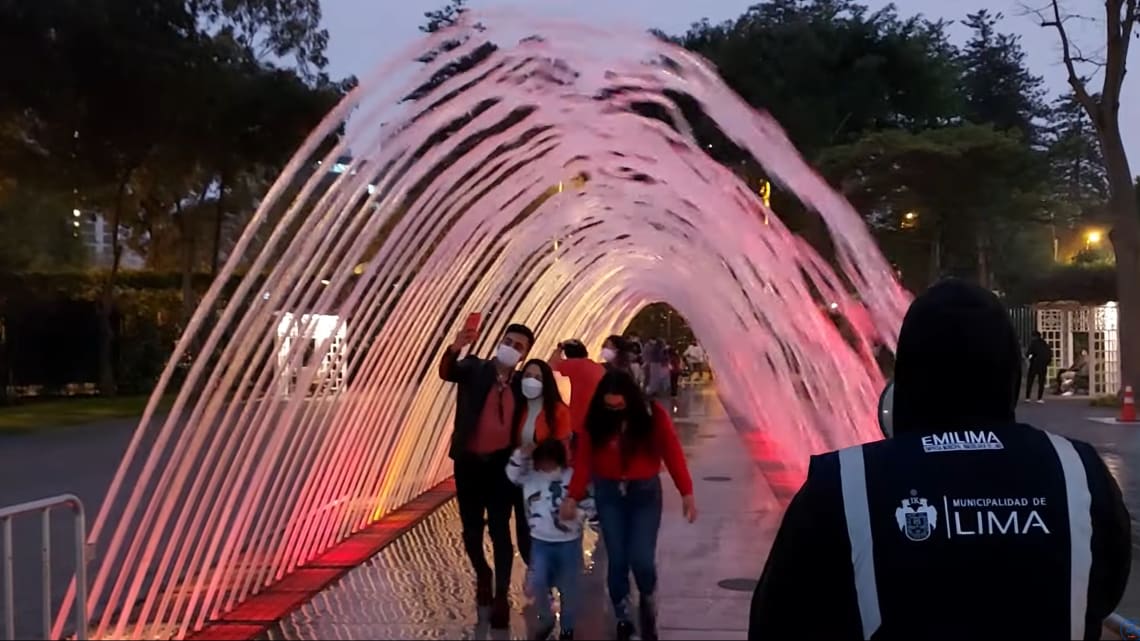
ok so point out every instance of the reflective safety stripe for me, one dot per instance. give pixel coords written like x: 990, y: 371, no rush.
x: 1080, y: 532
x: 854, y: 481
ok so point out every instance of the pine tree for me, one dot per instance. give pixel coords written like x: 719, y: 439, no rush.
x: 1076, y: 164
x: 999, y: 88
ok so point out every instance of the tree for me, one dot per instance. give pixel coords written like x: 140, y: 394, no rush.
x: 830, y: 70
x: 151, y: 107
x: 1080, y: 185
x: 114, y: 71
x: 270, y: 29
x: 443, y: 17
x: 1103, y: 108
x: 998, y: 86
x: 960, y: 191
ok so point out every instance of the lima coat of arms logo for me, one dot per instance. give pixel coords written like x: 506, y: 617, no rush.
x: 916, y: 519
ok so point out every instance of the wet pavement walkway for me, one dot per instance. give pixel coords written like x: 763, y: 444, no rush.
x: 1119, y: 446
x: 420, y: 587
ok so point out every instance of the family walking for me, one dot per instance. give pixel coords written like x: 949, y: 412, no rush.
x: 519, y: 448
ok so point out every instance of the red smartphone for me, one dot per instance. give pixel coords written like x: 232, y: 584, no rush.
x: 474, y: 319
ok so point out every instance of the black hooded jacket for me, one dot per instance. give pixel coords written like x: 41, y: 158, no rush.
x: 1039, y: 354
x: 965, y: 524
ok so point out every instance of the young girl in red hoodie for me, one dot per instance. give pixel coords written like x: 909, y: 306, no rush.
x: 624, y: 444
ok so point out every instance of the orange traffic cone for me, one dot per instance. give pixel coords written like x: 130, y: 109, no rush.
x: 1128, y: 408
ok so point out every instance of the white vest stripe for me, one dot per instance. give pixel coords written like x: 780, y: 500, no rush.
x: 1080, y: 532
x: 855, y: 509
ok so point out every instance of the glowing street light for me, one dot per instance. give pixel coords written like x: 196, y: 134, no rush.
x: 766, y: 192
x: 1092, y: 238
x: 910, y: 220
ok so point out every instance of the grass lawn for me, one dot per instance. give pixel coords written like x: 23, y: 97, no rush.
x: 36, y: 415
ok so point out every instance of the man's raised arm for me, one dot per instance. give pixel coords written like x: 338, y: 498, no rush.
x: 451, y: 368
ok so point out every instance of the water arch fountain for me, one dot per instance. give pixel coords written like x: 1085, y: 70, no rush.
x: 523, y: 185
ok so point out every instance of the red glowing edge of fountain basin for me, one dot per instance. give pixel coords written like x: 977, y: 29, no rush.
x: 253, y: 617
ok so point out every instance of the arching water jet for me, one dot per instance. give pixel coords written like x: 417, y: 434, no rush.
x: 525, y: 183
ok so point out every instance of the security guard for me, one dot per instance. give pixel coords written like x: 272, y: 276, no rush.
x: 965, y: 524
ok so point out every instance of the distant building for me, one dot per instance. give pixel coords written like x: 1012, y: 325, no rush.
x: 95, y: 233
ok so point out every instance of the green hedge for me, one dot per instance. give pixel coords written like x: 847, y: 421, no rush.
x: 146, y: 319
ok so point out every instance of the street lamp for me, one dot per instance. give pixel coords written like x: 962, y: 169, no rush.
x: 1092, y: 238
x: 910, y: 220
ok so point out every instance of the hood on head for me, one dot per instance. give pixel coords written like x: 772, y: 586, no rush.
x: 958, y: 363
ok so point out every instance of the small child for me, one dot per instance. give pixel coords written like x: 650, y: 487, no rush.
x: 556, y: 552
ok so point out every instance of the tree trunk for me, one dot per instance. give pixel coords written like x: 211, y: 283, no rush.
x: 219, y: 220
x: 935, y: 257
x: 983, y: 258
x: 107, y: 384
x: 1125, y: 238
x: 189, y: 249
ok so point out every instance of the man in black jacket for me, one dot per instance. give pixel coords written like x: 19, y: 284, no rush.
x: 481, y: 444
x: 1039, y: 355
x: 964, y: 524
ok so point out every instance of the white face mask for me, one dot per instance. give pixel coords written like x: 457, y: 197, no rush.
x: 507, y: 356
x: 531, y: 387
x: 608, y: 355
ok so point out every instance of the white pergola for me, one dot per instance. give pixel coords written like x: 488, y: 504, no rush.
x: 322, y: 337
x: 1069, y: 327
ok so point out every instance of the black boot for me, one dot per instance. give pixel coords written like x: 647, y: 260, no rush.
x: 501, y: 612
x: 483, y: 591
x: 647, y: 613
x: 624, y: 631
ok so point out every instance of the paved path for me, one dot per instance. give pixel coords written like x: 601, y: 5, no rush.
x: 421, y: 587
x: 79, y: 460
x: 730, y: 541
x: 1119, y: 446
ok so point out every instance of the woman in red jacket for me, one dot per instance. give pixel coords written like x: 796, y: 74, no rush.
x: 625, y: 441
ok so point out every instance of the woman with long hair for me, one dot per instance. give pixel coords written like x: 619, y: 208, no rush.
x: 615, y: 353
x: 542, y: 416
x: 623, y: 447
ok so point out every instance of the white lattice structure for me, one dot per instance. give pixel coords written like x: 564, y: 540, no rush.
x: 1070, y: 327
x: 323, y: 337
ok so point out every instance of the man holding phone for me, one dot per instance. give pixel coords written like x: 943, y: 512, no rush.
x: 481, y: 444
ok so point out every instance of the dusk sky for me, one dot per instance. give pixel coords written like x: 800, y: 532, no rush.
x: 363, y: 33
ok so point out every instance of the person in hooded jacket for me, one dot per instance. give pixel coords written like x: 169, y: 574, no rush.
x: 963, y: 524
x: 1039, y: 355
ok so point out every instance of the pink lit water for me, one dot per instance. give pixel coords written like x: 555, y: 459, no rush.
x: 252, y: 473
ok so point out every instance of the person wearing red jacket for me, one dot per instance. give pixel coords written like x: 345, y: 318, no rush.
x: 621, y: 451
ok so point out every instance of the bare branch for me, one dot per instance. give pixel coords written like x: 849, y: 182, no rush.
x: 1129, y: 24
x: 1099, y: 63
x: 1075, y: 81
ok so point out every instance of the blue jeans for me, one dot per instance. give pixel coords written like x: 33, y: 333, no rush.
x: 630, y: 521
x: 556, y: 565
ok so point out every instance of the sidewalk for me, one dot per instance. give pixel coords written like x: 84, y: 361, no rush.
x: 420, y: 586
x: 1119, y: 446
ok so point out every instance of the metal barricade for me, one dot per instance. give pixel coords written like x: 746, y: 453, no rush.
x: 44, y: 507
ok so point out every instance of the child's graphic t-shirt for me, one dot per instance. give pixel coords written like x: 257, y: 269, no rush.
x: 543, y: 493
